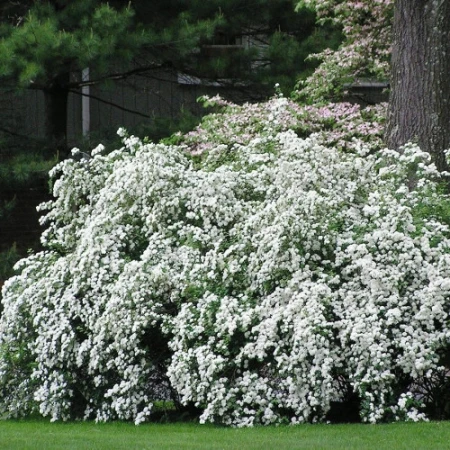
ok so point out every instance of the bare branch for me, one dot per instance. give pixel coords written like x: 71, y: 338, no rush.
x: 102, y: 100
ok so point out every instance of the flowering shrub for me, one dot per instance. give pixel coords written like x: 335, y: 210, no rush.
x: 80, y: 322
x: 336, y: 275
x: 365, y: 51
x: 260, y: 277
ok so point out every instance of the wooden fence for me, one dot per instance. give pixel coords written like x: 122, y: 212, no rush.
x: 127, y: 103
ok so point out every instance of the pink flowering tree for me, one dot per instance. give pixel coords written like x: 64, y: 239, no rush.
x: 341, y: 125
x: 365, y: 51
x: 416, y: 34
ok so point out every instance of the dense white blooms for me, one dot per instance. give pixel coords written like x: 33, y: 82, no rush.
x: 257, y: 278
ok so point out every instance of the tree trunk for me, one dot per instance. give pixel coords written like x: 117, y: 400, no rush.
x: 56, y: 96
x: 419, y: 104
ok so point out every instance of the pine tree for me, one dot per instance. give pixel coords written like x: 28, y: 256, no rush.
x: 56, y: 38
x: 44, y: 43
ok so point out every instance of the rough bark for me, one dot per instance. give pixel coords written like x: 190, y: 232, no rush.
x: 419, y: 104
x: 56, y: 97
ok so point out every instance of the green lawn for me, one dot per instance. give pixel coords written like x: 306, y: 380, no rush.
x: 40, y: 435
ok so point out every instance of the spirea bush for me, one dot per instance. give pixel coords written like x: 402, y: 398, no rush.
x: 261, y: 280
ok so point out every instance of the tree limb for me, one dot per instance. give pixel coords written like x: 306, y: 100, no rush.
x: 99, y: 99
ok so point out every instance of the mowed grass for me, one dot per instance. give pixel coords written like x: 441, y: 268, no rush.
x: 40, y: 435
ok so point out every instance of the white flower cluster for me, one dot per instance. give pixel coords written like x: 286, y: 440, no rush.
x: 255, y: 279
